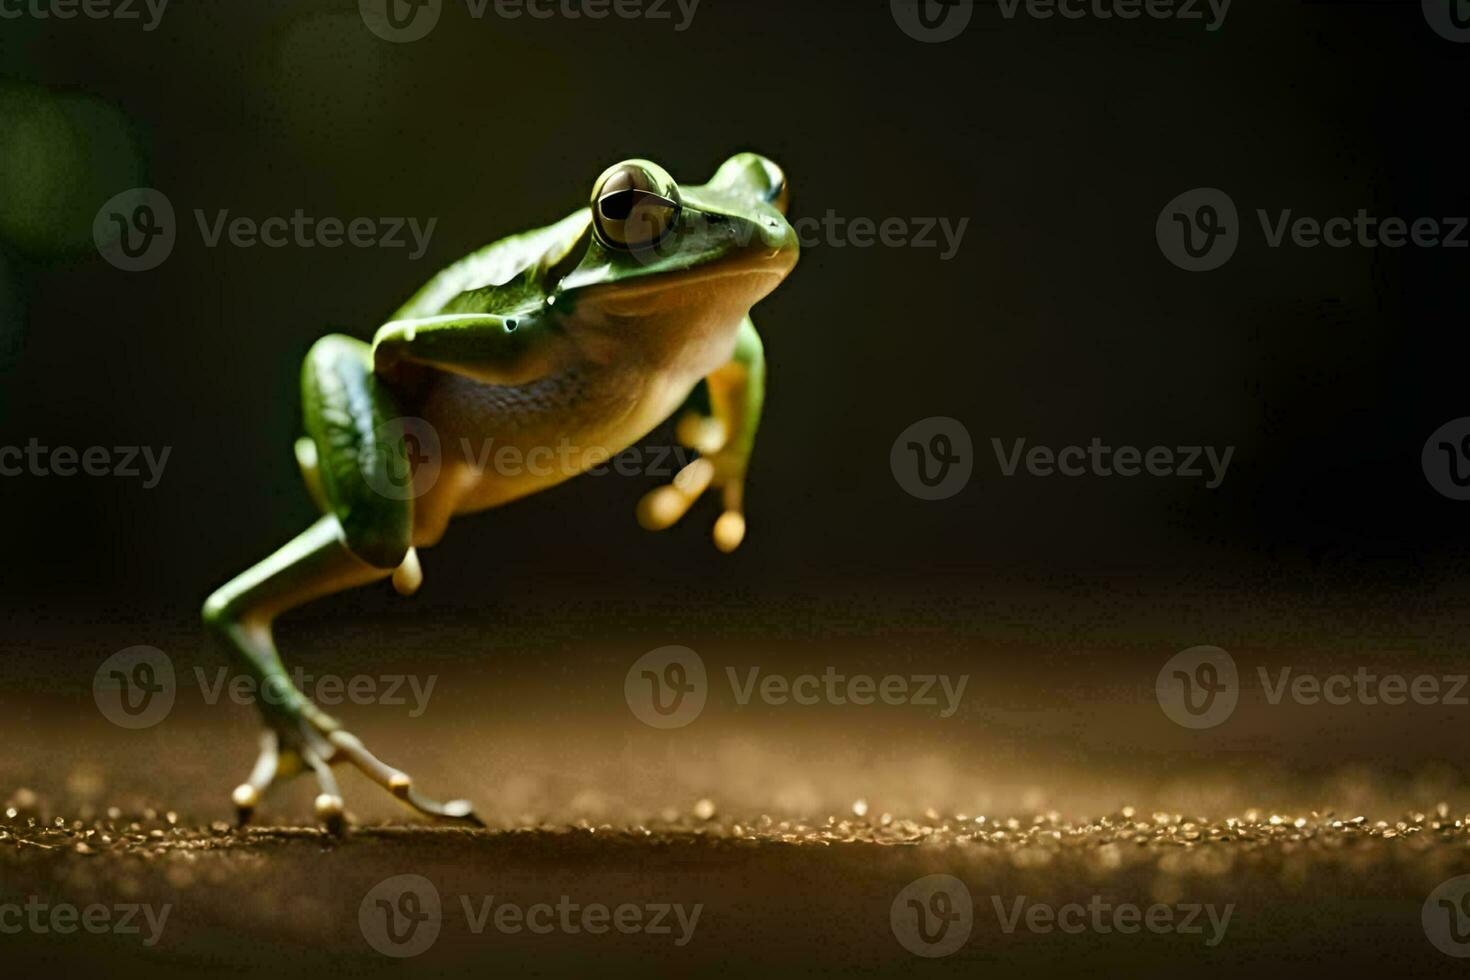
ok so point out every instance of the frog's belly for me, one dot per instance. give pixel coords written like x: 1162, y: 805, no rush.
x: 498, y: 443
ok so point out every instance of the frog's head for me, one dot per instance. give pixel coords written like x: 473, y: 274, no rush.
x: 694, y: 253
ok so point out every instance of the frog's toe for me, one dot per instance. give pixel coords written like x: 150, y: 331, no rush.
x: 276, y: 764
x: 663, y: 506
x: 247, y: 795
x: 398, y: 782
x: 704, y: 433
x: 729, y: 531
x: 330, y: 811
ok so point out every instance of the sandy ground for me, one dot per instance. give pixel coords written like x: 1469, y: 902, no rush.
x: 771, y: 896
x: 803, y: 840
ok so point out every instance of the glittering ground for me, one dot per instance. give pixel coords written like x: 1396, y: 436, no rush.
x: 1306, y: 838
x: 1311, y: 891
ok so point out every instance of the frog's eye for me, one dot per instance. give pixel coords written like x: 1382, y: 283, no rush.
x: 634, y: 205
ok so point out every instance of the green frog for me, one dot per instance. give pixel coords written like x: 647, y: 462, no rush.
x: 568, y: 343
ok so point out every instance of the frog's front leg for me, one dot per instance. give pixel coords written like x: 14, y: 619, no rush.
x: 364, y: 534
x: 725, y: 439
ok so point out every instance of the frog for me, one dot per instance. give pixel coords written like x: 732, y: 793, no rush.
x: 587, y: 333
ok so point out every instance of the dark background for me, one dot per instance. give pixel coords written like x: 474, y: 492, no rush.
x: 1325, y: 549
x: 1059, y: 320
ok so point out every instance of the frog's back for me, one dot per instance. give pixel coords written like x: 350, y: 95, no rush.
x: 472, y: 280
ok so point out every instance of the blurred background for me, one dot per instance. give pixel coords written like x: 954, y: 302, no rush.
x: 1058, y: 320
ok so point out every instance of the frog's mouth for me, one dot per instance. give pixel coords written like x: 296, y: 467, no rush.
x: 739, y: 286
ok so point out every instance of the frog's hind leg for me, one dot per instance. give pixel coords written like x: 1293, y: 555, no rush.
x: 363, y: 537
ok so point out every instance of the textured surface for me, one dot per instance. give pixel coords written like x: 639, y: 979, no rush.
x: 772, y: 894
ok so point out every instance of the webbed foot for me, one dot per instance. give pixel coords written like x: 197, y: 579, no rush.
x: 312, y: 741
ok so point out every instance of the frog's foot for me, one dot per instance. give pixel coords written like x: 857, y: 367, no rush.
x: 398, y: 782
x: 313, y: 741
x: 277, y: 763
x: 716, y: 468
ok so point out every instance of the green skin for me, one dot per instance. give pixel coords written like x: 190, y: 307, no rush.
x: 552, y: 338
